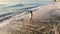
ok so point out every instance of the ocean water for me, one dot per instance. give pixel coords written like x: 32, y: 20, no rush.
x: 21, y: 6
x: 25, y: 5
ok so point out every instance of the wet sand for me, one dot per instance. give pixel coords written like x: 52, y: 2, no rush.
x: 45, y: 21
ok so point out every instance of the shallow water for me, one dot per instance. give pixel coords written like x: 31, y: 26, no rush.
x: 7, y: 9
x: 24, y: 6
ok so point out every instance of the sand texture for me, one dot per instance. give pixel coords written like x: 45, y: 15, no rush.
x: 46, y: 20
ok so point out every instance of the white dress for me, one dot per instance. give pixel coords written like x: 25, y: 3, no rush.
x: 30, y: 15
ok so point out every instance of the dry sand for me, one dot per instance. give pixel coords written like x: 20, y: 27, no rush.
x: 40, y: 25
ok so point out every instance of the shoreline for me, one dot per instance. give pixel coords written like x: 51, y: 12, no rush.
x: 35, y: 14
x: 16, y: 24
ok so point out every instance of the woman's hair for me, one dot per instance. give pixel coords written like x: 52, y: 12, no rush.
x: 30, y: 11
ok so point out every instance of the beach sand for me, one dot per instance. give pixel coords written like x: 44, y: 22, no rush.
x: 42, y: 23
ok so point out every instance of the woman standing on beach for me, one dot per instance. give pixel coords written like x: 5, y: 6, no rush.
x: 31, y: 14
